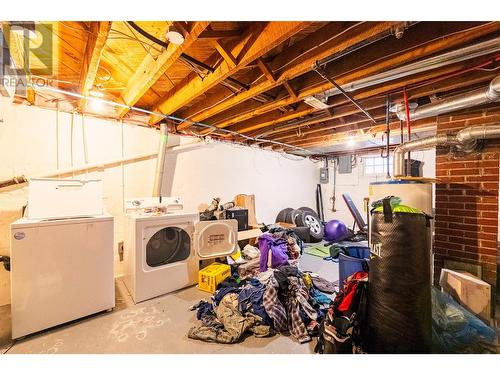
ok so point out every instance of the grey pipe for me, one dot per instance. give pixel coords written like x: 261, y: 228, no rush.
x: 470, y: 52
x: 160, y: 161
x: 419, y: 144
x: 465, y: 139
x: 484, y: 95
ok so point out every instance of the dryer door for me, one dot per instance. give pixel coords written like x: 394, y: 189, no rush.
x: 216, y: 238
x: 168, y: 245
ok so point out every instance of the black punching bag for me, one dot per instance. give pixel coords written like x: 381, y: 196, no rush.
x: 399, y: 308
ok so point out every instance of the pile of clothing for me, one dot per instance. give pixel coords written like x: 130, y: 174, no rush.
x: 276, y: 247
x: 279, y: 300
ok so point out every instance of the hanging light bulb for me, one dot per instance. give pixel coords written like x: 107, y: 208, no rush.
x: 174, y: 36
x: 95, y: 105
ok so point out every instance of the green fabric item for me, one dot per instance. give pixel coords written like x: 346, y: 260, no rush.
x: 400, y: 208
x: 394, y: 202
x: 319, y: 250
x: 335, y: 251
x: 396, y: 206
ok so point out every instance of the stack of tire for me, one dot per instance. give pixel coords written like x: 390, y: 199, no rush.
x: 308, y: 224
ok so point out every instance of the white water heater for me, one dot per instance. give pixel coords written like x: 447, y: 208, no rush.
x: 413, y: 193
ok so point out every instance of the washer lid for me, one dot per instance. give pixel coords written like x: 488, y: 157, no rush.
x: 216, y: 238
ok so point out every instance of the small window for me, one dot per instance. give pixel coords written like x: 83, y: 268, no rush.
x: 376, y: 165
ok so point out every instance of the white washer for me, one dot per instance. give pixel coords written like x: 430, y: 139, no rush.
x: 162, y: 251
x: 61, y: 270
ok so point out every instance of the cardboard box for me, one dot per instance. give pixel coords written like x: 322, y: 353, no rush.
x: 470, y: 291
x: 212, y: 275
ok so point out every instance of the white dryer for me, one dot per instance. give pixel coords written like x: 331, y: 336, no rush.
x: 164, y: 245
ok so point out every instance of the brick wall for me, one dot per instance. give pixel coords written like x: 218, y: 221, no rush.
x: 466, y: 221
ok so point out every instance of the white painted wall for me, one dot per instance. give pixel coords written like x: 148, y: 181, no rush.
x: 28, y: 146
x: 356, y: 185
x: 225, y: 171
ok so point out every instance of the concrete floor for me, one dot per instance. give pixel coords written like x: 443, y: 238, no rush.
x: 159, y: 325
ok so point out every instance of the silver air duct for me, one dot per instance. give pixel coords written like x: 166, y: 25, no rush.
x: 465, y: 140
x: 484, y: 95
x: 463, y: 54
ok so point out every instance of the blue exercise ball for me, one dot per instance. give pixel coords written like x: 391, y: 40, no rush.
x: 335, y: 231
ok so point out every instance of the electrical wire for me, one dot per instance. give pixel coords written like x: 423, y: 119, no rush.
x: 170, y: 117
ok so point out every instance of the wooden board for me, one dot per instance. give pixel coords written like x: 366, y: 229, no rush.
x: 248, y: 202
x: 470, y: 291
x: 248, y: 234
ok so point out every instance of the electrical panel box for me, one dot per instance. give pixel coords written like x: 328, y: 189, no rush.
x: 323, y: 175
x: 345, y: 164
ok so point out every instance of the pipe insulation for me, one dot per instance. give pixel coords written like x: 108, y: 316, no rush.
x: 465, y: 140
x: 483, y: 95
x: 160, y: 160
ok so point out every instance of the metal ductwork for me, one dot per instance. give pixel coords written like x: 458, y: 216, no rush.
x: 465, y: 140
x: 484, y: 95
x: 463, y: 54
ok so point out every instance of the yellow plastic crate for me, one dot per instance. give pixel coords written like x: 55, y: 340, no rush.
x: 212, y: 275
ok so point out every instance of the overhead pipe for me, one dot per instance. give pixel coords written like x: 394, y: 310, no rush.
x: 169, y: 117
x: 408, y: 128
x: 465, y: 140
x: 483, y: 95
x: 160, y: 160
x: 467, y: 53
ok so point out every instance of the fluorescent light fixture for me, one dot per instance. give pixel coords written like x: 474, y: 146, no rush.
x: 351, y: 142
x: 315, y: 102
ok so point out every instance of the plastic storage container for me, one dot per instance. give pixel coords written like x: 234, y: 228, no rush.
x: 356, y: 258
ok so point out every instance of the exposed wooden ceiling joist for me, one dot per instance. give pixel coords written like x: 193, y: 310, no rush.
x: 320, y: 128
x: 252, y: 120
x: 98, y: 35
x: 299, y: 59
x: 376, y: 99
x: 151, y: 68
x: 251, y: 47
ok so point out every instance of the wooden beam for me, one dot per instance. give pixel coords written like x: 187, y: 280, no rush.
x: 251, y: 47
x: 297, y: 60
x: 326, y: 125
x: 226, y: 55
x: 290, y: 90
x: 350, y: 73
x: 321, y: 127
x: 151, y: 69
x: 98, y: 35
x: 266, y: 70
x: 220, y: 34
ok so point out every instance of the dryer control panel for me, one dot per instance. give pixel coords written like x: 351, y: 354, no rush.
x: 153, y: 205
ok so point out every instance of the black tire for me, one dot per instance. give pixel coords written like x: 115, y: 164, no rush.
x: 281, y: 218
x: 294, y: 215
x: 302, y: 233
x: 311, y: 220
x: 289, y: 216
x: 308, y: 209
